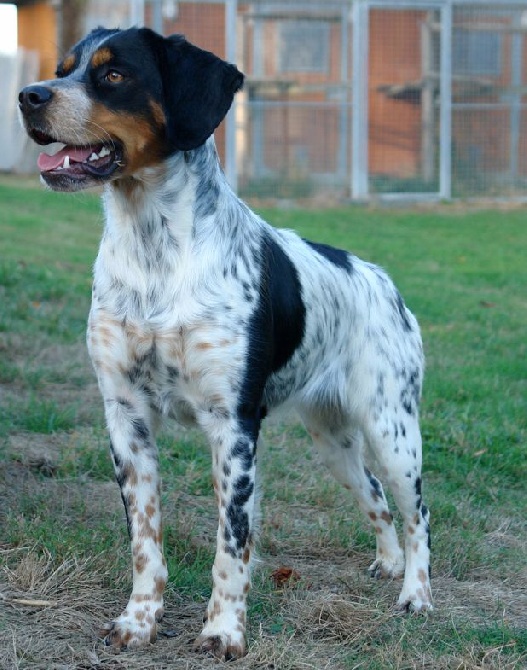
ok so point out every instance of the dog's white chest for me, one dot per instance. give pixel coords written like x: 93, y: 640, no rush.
x: 184, y: 369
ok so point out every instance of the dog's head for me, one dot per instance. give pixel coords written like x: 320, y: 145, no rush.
x: 124, y: 100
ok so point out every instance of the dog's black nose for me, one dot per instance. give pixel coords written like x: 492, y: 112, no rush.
x: 33, y: 97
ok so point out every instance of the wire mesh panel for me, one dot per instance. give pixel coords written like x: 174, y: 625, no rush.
x: 489, y: 101
x: 296, y: 110
x: 481, y: 56
x: 403, y: 91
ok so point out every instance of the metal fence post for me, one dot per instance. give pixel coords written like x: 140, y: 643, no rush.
x: 359, y: 149
x: 445, y: 100
x: 231, y: 169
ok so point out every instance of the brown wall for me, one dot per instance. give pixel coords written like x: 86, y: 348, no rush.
x: 37, y: 30
x: 394, y: 125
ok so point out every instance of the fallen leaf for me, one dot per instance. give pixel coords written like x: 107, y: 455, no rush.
x: 282, y: 575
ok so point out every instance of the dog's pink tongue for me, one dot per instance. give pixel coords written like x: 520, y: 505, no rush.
x: 76, y: 154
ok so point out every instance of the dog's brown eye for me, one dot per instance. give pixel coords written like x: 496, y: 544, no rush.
x: 114, y: 77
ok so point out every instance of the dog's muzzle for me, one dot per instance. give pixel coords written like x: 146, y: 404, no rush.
x: 73, y: 164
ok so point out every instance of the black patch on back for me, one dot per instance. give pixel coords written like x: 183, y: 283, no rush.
x: 276, y: 327
x: 338, y: 257
x: 287, y: 307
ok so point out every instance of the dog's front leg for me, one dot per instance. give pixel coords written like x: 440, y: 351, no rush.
x: 136, y: 468
x: 233, y: 452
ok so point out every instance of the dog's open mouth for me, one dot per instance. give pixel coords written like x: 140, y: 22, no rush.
x: 79, y: 162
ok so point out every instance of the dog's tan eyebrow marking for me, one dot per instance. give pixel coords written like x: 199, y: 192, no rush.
x: 68, y: 64
x: 158, y: 113
x: 101, y: 56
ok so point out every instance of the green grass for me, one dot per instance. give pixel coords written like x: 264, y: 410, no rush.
x: 462, y: 272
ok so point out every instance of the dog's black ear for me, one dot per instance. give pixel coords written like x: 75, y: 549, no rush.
x: 198, y: 90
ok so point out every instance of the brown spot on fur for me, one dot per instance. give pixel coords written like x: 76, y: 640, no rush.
x: 145, y: 527
x: 101, y: 56
x: 141, y: 562
x: 223, y: 575
x: 160, y: 583
x: 372, y: 516
x: 246, y: 555
x: 139, y: 615
x: 246, y: 588
x: 378, y: 530
x: 129, y: 475
x: 150, y: 511
x: 411, y: 530
x: 415, y: 547
x: 421, y: 575
x: 141, y: 597
x: 204, y: 346
x: 225, y: 343
x: 387, y: 517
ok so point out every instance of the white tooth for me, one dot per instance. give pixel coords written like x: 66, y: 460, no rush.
x: 66, y: 163
x: 93, y: 157
x: 104, y: 152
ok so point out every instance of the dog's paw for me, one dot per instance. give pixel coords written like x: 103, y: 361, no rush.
x: 223, y: 647
x: 418, y: 602
x: 387, y: 568
x: 129, y: 632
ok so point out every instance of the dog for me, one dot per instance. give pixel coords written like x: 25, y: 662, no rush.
x: 203, y: 312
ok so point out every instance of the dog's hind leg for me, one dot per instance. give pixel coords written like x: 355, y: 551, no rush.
x: 396, y: 442
x: 342, y: 451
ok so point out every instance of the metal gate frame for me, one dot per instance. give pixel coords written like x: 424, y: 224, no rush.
x: 360, y: 173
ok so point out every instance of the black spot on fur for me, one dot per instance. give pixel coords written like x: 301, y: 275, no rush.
x: 376, y: 488
x: 239, y: 524
x: 243, y: 451
x: 126, y: 504
x: 125, y: 403
x: 338, y: 257
x: 140, y: 429
x: 401, y: 309
x: 115, y: 456
x: 242, y: 490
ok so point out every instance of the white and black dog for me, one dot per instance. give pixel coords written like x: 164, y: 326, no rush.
x: 203, y: 312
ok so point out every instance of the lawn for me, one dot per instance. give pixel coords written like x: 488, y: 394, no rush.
x: 64, y: 563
